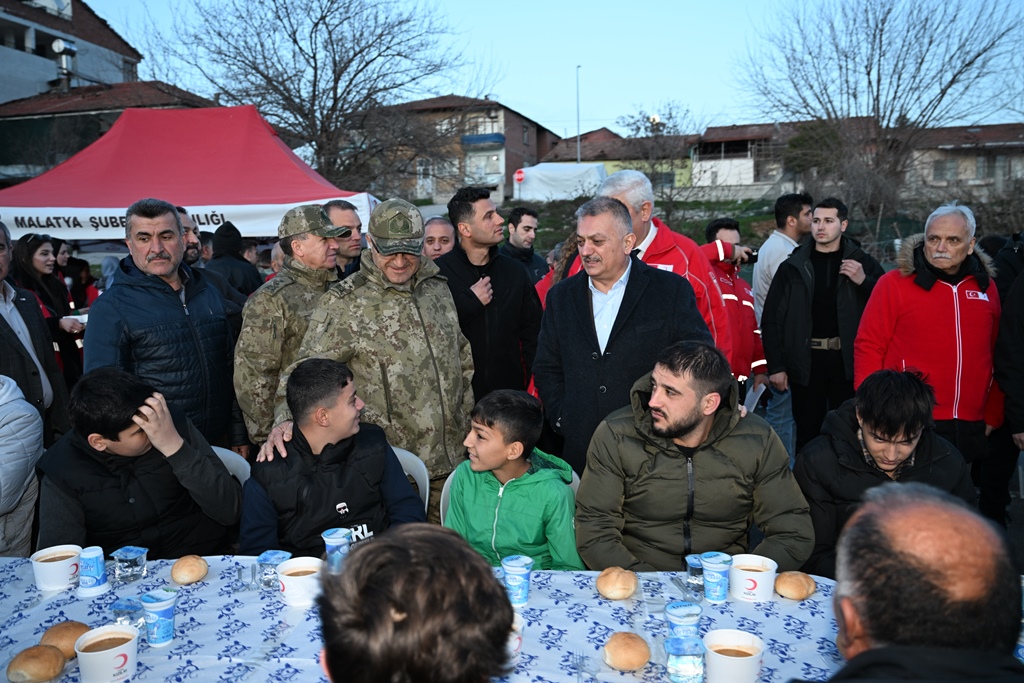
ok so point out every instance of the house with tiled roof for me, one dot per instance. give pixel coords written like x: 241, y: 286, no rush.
x: 984, y: 160
x: 490, y: 142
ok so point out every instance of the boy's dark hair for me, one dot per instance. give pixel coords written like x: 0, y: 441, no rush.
x: 711, y: 231
x: 706, y: 365
x: 313, y: 383
x: 105, y: 400
x: 460, y: 208
x: 418, y: 605
x: 516, y: 414
x: 834, y: 203
x: 892, y: 402
x: 517, y: 214
x: 790, y: 205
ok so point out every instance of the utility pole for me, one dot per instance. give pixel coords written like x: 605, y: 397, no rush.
x: 577, y: 113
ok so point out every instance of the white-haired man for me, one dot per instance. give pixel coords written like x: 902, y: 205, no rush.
x: 938, y: 312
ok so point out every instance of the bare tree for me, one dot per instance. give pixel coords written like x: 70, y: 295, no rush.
x: 660, y: 146
x: 327, y: 72
x: 871, y: 76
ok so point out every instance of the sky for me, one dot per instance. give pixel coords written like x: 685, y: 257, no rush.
x: 688, y: 51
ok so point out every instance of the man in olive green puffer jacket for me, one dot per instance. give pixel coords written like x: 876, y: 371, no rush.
x: 680, y: 472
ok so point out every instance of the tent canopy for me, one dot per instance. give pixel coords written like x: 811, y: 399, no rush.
x: 222, y: 164
x: 550, y: 181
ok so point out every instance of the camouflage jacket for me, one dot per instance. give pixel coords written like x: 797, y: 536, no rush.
x: 275, y: 320
x: 413, y: 367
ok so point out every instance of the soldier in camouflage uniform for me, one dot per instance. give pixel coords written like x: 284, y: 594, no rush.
x: 394, y: 324
x: 277, y: 314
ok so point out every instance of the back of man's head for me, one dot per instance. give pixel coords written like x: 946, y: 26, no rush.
x: 105, y: 400
x: 516, y: 414
x: 790, y: 205
x: 314, y: 383
x: 707, y: 366
x: 460, y: 207
x: 895, y: 403
x: 417, y: 604
x: 632, y: 187
x: 921, y: 569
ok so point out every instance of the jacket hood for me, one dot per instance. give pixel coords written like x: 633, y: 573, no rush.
x: 427, y: 270
x: 907, y: 264
x: 9, y: 391
x: 544, y: 466
x: 640, y: 395
x: 227, y: 241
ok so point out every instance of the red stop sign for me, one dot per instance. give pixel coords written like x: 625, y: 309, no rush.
x: 519, y: 176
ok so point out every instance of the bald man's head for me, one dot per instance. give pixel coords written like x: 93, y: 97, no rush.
x: 921, y: 569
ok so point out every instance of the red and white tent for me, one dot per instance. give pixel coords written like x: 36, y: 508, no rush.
x: 222, y: 164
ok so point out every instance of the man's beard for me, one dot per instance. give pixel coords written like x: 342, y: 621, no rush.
x: 191, y: 255
x: 680, y: 428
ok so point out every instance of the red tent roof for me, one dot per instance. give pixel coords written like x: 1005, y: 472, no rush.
x: 192, y: 157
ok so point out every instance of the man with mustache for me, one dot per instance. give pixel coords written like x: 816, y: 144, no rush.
x: 938, y: 312
x: 680, y: 471
x: 165, y: 323
x: 602, y: 328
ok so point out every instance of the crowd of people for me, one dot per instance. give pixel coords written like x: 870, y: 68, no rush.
x: 514, y: 380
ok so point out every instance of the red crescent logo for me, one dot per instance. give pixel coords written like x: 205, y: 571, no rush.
x: 120, y: 660
x: 751, y: 585
x: 74, y: 569
x: 282, y: 586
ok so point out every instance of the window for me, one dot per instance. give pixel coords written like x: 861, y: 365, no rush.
x: 944, y: 169
x: 663, y: 181
x: 526, y: 134
x: 991, y: 166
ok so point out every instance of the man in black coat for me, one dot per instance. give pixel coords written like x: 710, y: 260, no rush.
x: 522, y: 231
x: 884, y: 434
x: 927, y: 591
x: 26, y: 350
x: 229, y: 261
x: 810, y: 318
x: 499, y: 310
x: 603, y: 328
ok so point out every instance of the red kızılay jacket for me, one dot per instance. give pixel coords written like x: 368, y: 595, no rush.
x: 747, y: 357
x: 679, y: 254
x: 916, y: 321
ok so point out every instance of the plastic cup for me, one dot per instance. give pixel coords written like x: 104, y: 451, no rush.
x: 684, y: 660
x: 268, y: 561
x: 56, y: 568
x: 683, y: 619
x: 732, y: 656
x: 716, y: 576
x: 110, y: 665
x: 159, y: 607
x: 300, y: 580
x: 517, y: 578
x: 129, y: 563
x: 92, y: 573
x: 337, y: 543
x: 752, y: 578
x: 515, y: 640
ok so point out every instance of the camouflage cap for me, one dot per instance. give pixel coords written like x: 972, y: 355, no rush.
x: 309, y: 218
x: 396, y: 227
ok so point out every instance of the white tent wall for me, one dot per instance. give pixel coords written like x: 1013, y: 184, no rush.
x: 550, y: 181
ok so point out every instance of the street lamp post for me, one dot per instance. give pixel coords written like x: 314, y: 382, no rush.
x: 577, y: 113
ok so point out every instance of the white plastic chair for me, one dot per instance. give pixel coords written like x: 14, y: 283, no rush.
x: 414, y: 467
x: 237, y: 465
x: 575, y: 483
x: 446, y: 494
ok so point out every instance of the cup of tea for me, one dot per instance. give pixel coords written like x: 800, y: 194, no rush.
x: 108, y: 654
x: 752, y: 578
x: 56, y: 567
x: 732, y: 656
x: 300, y: 580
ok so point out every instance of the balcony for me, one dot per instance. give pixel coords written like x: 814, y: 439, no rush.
x: 484, y: 140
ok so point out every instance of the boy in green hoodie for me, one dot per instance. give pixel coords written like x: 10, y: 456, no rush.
x: 510, y: 498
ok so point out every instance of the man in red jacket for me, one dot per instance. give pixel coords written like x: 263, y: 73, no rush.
x: 663, y: 249
x: 724, y: 252
x: 938, y: 312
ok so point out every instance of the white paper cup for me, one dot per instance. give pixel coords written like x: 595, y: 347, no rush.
x: 732, y: 668
x: 515, y: 640
x: 112, y: 665
x: 752, y: 578
x: 300, y: 591
x: 60, y: 574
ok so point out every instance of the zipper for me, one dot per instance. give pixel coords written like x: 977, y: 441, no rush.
x: 687, y: 541
x: 959, y: 348
x: 494, y: 525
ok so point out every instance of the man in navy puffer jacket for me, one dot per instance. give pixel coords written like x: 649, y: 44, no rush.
x: 162, y: 322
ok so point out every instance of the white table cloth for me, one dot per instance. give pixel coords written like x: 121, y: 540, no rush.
x: 231, y: 636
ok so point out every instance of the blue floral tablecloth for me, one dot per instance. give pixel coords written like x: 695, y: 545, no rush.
x: 223, y: 634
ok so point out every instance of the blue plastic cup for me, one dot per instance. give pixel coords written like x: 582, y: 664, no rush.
x: 517, y: 578
x: 716, y: 576
x: 159, y: 607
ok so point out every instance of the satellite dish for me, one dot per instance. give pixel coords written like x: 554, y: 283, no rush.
x: 64, y: 47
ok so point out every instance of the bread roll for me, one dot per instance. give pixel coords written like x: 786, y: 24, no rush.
x: 795, y: 585
x: 63, y: 636
x: 626, y: 651
x: 189, y: 569
x: 37, y: 663
x: 615, y: 583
